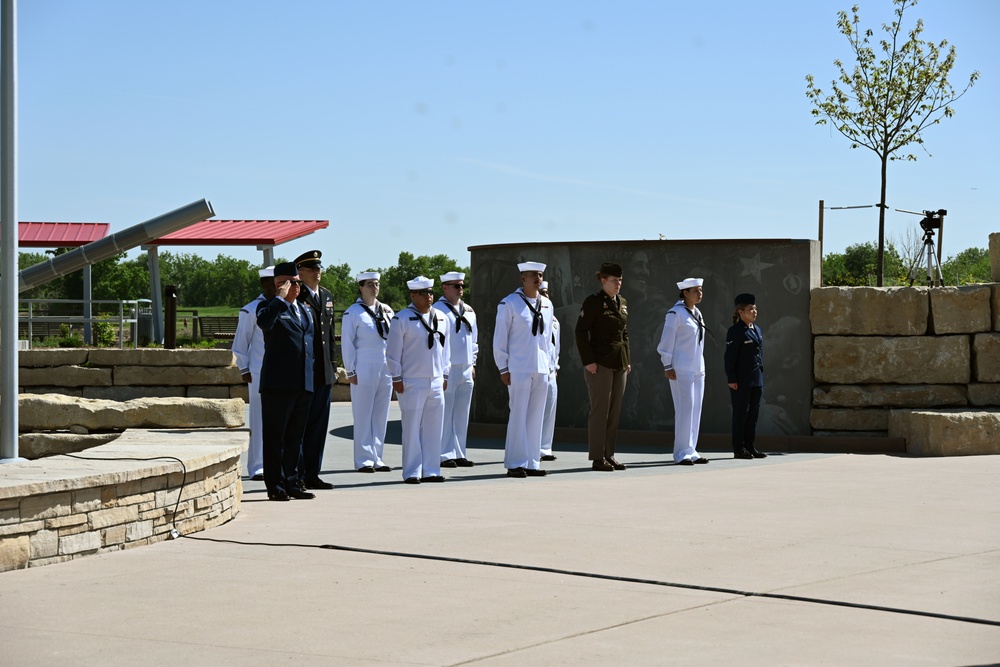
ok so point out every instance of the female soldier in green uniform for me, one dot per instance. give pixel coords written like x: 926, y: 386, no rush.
x: 602, y: 339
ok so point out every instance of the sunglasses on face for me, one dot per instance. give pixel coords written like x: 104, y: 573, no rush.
x: 457, y: 285
x: 423, y: 292
x: 293, y: 283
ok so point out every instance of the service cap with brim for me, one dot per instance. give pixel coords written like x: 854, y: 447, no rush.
x: 611, y: 269
x: 452, y: 276
x: 419, y: 283
x: 286, y: 269
x: 266, y: 272
x: 745, y: 299
x: 368, y: 275
x: 688, y: 283
x: 531, y: 266
x: 309, y: 260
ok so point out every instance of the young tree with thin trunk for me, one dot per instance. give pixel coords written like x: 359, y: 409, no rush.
x: 885, y: 105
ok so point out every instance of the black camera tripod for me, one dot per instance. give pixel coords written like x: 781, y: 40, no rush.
x: 933, y: 266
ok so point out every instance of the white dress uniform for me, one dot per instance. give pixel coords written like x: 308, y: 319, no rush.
x: 463, y: 337
x: 419, y: 356
x: 551, y: 394
x: 682, y: 348
x: 363, y: 350
x: 248, y: 348
x: 527, y: 356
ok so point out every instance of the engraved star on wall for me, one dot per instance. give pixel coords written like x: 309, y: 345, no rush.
x: 753, y: 266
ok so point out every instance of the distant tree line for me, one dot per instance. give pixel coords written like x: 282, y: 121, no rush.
x: 905, y: 264
x: 225, y: 281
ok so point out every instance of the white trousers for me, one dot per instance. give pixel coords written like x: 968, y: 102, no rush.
x: 522, y: 448
x: 549, y: 414
x: 255, y: 453
x: 421, y: 407
x: 370, y: 408
x: 457, y: 401
x: 688, y: 391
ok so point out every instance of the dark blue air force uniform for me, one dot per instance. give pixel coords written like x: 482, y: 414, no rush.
x: 745, y: 366
x: 286, y: 386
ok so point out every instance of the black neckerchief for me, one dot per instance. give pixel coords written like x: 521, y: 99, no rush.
x: 459, y: 315
x: 701, y: 323
x: 537, y: 323
x: 430, y: 332
x: 381, y: 324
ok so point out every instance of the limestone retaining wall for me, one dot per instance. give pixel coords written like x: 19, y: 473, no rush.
x: 62, y: 508
x: 122, y: 375
x: 879, y: 351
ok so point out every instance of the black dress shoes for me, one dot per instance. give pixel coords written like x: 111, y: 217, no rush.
x: 277, y: 495
x: 449, y: 463
x: 317, y: 483
x: 742, y: 454
x: 411, y: 480
x: 601, y: 464
x: 517, y: 472
x: 757, y: 455
x: 299, y: 493
x: 366, y: 469
x: 616, y: 465
x: 432, y: 478
x: 383, y: 469
x: 535, y: 472
x: 685, y: 462
x: 257, y: 478
x: 700, y: 460
x: 464, y: 463
x: 548, y: 457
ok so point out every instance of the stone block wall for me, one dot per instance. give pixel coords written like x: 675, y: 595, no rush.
x: 879, y: 349
x: 65, y: 508
x: 123, y: 375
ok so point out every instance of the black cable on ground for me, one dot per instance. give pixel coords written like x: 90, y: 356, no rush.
x: 174, y: 533
x: 609, y: 577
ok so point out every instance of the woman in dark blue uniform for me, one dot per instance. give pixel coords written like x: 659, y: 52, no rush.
x: 745, y: 374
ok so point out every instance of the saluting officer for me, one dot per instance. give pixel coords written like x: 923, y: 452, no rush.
x: 522, y: 348
x: 286, y: 383
x: 463, y: 336
x: 320, y: 301
x: 248, y: 348
x: 364, y: 330
x: 744, y: 362
x: 419, y: 359
x: 602, y: 339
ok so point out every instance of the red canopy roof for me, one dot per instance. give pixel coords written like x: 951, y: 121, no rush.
x: 59, y: 234
x: 241, y: 232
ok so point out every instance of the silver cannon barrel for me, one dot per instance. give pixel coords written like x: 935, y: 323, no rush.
x: 115, y: 244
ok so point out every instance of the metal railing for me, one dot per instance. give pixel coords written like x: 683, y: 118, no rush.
x: 136, y: 314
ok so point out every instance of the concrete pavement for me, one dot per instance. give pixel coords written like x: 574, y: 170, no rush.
x: 919, y: 535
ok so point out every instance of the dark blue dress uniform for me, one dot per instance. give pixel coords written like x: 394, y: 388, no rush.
x: 324, y: 372
x: 286, y: 386
x: 745, y: 367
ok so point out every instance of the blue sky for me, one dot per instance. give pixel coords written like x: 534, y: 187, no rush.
x: 430, y: 126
